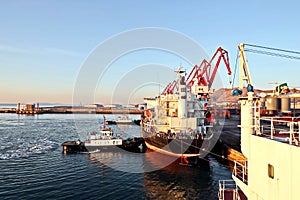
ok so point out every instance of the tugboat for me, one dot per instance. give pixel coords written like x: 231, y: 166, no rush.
x: 104, y: 140
x: 180, y: 123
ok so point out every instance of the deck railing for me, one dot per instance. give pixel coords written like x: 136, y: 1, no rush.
x: 228, y: 190
x: 240, y: 170
x: 276, y: 133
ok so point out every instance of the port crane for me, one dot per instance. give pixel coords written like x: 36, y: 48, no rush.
x: 204, y: 74
x: 169, y: 89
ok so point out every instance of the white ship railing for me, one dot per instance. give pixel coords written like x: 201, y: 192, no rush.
x: 240, y: 170
x: 289, y: 134
x: 228, y: 190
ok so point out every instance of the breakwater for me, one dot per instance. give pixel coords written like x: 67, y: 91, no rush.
x: 72, y: 109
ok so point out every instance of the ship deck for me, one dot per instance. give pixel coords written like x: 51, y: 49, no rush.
x: 281, y: 129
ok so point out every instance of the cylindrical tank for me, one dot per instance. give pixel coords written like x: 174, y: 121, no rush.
x: 285, y: 104
x: 271, y: 103
x: 278, y: 104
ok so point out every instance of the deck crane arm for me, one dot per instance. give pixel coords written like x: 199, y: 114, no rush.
x: 204, y: 74
x: 244, y: 70
x: 244, y: 74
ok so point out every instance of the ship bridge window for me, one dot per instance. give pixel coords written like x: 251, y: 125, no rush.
x: 271, y: 171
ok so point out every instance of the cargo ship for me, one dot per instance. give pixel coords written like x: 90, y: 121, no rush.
x: 179, y: 123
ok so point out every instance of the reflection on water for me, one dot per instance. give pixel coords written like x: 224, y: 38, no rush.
x: 120, y: 161
x: 162, y: 181
x: 176, y: 181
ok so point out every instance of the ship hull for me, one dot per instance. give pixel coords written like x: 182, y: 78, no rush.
x: 136, y: 145
x: 110, y: 148
x: 173, y: 146
x: 113, y: 122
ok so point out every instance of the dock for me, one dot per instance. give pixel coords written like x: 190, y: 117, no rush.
x: 228, y: 147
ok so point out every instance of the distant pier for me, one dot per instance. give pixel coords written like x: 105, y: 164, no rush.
x: 70, y: 110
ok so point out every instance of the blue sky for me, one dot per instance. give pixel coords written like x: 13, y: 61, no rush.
x: 43, y: 44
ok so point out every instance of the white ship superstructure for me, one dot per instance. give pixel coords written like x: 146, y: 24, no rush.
x: 271, y: 168
x: 182, y: 112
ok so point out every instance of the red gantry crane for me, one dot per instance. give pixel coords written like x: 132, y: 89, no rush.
x: 169, y: 89
x: 205, y: 74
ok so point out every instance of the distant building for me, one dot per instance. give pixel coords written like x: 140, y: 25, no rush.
x: 93, y: 106
x: 113, y: 106
x: 28, y: 107
x: 129, y: 106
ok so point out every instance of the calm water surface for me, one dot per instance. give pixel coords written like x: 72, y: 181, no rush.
x: 33, y: 166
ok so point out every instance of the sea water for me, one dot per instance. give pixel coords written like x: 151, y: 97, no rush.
x: 32, y: 165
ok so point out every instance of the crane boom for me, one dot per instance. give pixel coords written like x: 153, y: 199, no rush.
x: 223, y: 55
x: 244, y: 75
x: 192, y: 75
x: 166, y: 88
x: 204, y: 74
x: 244, y: 70
x: 170, y: 88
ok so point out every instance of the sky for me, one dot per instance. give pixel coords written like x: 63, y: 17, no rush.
x: 45, y: 44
